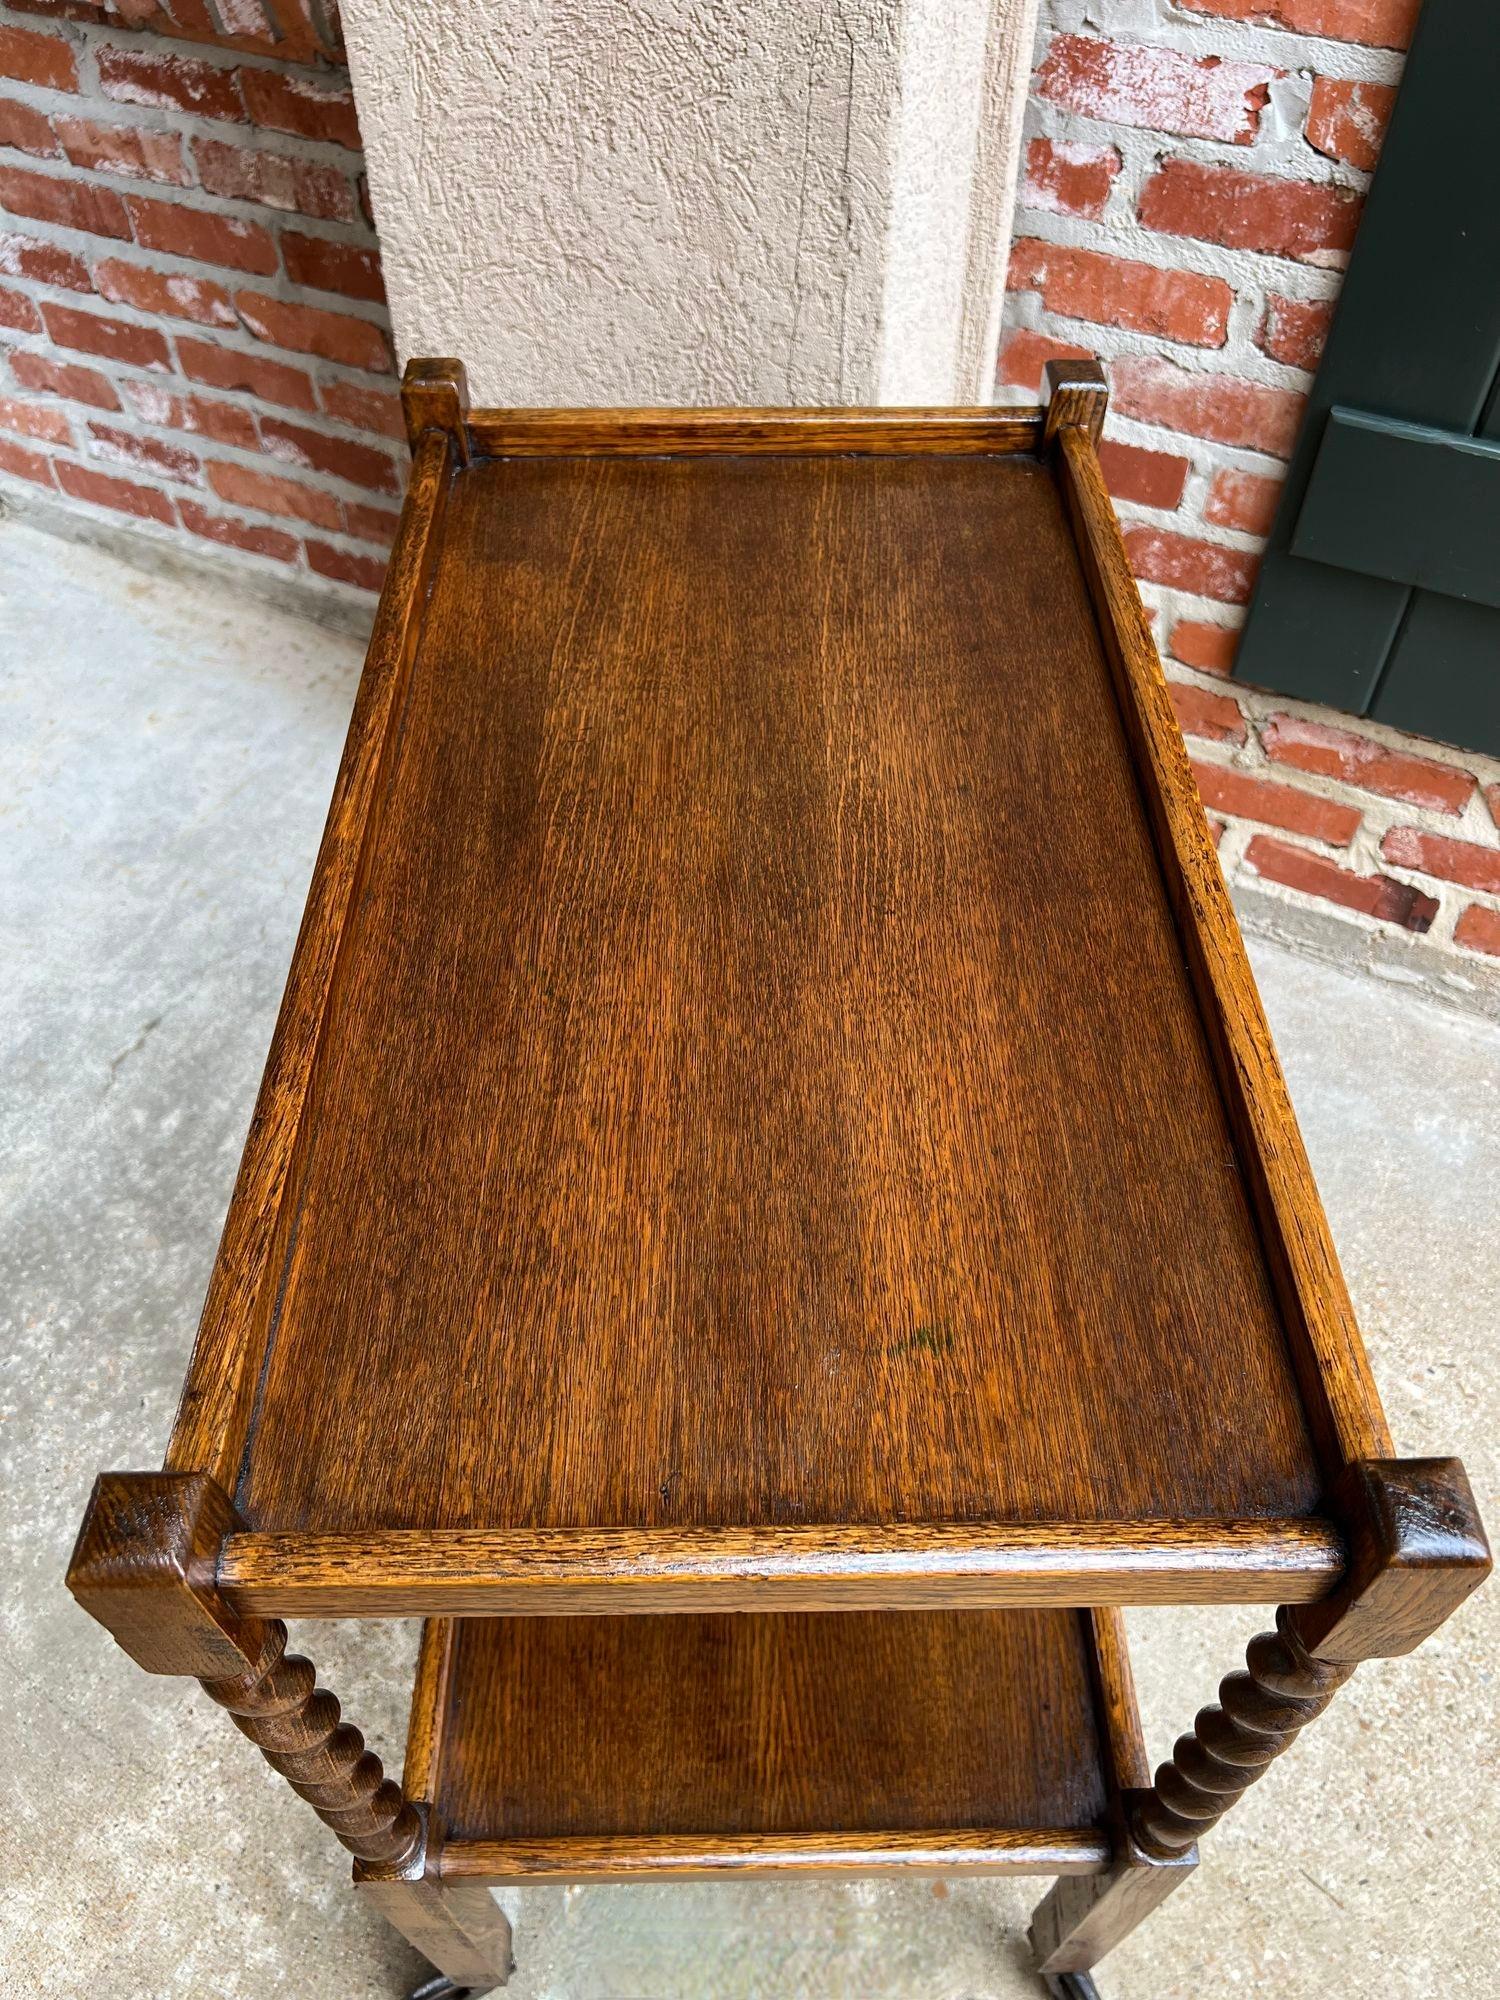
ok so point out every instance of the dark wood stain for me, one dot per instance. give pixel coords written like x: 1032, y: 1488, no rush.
x: 763, y: 1084
x: 906, y: 1722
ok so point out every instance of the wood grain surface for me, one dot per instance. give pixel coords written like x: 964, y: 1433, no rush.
x: 762, y: 1083
x: 1342, y: 1402
x: 761, y: 1727
x: 218, y: 1396
x: 401, y: 1572
x: 1063, y: 1851
x: 527, y: 433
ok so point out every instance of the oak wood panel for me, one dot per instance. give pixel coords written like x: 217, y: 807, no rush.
x: 762, y: 1084
x: 760, y: 1728
x: 1342, y: 1402
x: 212, y: 1418
x: 1126, y: 1764
x: 944, y: 1851
x: 403, y: 1572
x: 526, y: 433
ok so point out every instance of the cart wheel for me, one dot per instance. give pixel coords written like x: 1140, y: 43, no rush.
x: 1067, y: 1986
x: 441, y: 1987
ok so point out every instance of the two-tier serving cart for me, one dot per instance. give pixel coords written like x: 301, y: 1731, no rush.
x: 772, y: 1211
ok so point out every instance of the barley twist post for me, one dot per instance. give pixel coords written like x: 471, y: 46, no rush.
x: 1416, y: 1550
x: 146, y: 1567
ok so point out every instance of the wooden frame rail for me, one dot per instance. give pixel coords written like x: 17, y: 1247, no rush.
x: 476, y: 1572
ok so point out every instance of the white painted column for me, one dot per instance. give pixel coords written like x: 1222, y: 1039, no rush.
x: 696, y: 201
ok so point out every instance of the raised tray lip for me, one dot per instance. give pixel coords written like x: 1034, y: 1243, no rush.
x: 640, y: 1857
x: 469, y: 1572
x: 418, y: 1570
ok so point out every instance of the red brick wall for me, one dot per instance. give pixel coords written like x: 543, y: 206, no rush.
x: 1193, y: 178
x: 192, y: 323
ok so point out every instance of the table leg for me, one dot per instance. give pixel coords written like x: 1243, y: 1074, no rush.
x: 457, y: 1926
x: 1084, y: 1916
x: 1416, y: 1550
x: 146, y: 1568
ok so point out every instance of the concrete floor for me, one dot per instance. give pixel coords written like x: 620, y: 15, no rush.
x: 167, y: 756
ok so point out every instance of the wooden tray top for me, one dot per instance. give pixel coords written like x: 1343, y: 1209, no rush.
x: 769, y: 1088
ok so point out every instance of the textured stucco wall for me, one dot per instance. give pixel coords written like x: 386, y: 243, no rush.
x: 677, y: 201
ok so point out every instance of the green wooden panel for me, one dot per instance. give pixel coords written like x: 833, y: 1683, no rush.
x: 1405, y: 502
x: 1416, y: 339
x: 1443, y: 679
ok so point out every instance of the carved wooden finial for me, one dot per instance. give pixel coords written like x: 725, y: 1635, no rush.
x: 1076, y: 393
x: 435, y: 397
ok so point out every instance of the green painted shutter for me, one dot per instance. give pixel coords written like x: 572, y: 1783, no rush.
x: 1380, y: 592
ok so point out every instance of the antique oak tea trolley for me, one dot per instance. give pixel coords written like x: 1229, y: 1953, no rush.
x: 772, y: 1211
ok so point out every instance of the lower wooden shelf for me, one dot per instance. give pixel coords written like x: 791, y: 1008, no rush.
x: 616, y: 1748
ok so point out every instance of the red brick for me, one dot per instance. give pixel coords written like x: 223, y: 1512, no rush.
x: 35, y: 420
x: 1209, y: 648
x: 1311, y: 221
x: 1315, y: 875
x: 1221, y: 408
x: 66, y: 204
x: 1439, y: 854
x: 193, y: 232
x: 42, y: 263
x: 1068, y: 178
x: 256, y: 374
x: 1215, y: 828
x: 1381, y: 24
x: 364, y: 572
x: 305, y: 187
x: 1131, y: 83
x: 114, y: 339
x: 1213, y: 716
x: 312, y: 451
x: 1243, y: 500
x: 1086, y: 284
x: 1478, y: 929
x: 1024, y: 354
x: 1150, y: 478
x: 370, y: 524
x: 334, y: 336
x: 311, y: 109
x: 325, y: 266
x: 64, y: 378
x: 1347, y: 120
x: 146, y: 454
x: 123, y: 149
x: 1341, y: 753
x: 1295, y: 330
x: 1157, y: 555
x: 1236, y: 792
x: 93, y: 11
x: 236, y: 534
x: 23, y: 464
x: 170, y: 83
x: 26, y: 130
x: 18, y: 312
x: 30, y: 57
x: 376, y: 410
x: 1492, y: 800
x: 203, y: 416
x: 121, y: 494
x: 166, y: 293
x: 245, y: 486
